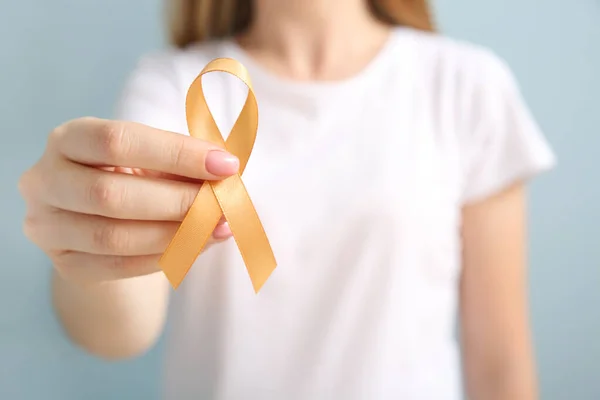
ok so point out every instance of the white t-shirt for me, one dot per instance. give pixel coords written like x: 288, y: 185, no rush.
x: 359, y: 185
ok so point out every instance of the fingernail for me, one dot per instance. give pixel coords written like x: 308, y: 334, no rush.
x: 222, y: 231
x: 221, y: 163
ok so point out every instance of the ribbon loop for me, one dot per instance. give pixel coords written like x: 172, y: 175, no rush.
x: 227, y: 197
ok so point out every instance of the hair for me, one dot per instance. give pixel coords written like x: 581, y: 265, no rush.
x: 193, y: 21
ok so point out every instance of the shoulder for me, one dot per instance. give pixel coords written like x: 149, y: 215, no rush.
x: 473, y: 95
x: 462, y: 66
x: 465, y: 86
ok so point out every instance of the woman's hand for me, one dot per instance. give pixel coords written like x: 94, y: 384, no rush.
x: 106, y: 197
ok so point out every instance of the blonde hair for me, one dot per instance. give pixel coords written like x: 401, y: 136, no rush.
x: 193, y: 21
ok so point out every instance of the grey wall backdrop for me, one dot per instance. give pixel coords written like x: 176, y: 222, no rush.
x: 66, y: 58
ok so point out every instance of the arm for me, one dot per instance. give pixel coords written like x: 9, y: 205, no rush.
x: 123, y: 318
x: 497, y: 350
x: 115, y: 319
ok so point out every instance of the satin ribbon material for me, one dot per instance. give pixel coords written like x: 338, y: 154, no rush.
x: 227, y: 197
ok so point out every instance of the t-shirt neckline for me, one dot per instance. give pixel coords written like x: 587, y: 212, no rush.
x: 260, y: 75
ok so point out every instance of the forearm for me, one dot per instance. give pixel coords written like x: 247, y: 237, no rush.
x: 515, y: 381
x: 495, y: 333
x: 113, y: 320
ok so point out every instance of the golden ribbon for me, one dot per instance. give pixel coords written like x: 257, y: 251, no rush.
x: 227, y: 197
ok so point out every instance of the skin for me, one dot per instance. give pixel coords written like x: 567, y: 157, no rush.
x: 103, y: 204
x: 497, y: 349
x: 104, y: 228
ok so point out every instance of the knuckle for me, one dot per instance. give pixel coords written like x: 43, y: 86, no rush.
x: 56, y: 136
x: 176, y: 153
x: 105, y: 194
x: 112, y: 140
x: 187, y: 199
x: 64, y: 264
x: 59, y: 260
x: 116, y: 264
x: 109, y: 238
x: 24, y: 183
x: 30, y: 227
x: 63, y: 269
x: 31, y: 183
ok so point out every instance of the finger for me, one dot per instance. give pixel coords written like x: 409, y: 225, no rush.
x: 116, y: 143
x: 153, y: 174
x: 84, y: 267
x: 65, y: 230
x: 222, y: 231
x: 164, y: 175
x: 89, y: 190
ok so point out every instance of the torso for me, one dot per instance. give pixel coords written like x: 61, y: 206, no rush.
x: 359, y: 185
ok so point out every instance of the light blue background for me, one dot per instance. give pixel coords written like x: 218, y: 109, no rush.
x: 66, y: 58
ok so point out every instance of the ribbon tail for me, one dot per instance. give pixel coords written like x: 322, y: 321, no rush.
x: 247, y: 229
x: 191, y: 237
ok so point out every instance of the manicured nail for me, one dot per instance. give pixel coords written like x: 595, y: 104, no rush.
x: 221, y: 163
x: 222, y: 231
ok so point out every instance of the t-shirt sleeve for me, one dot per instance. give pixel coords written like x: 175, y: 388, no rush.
x: 505, y: 144
x: 151, y: 96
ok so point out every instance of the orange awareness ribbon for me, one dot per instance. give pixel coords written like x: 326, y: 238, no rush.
x: 227, y: 197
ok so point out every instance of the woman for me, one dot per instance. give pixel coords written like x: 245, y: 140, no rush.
x: 388, y: 171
